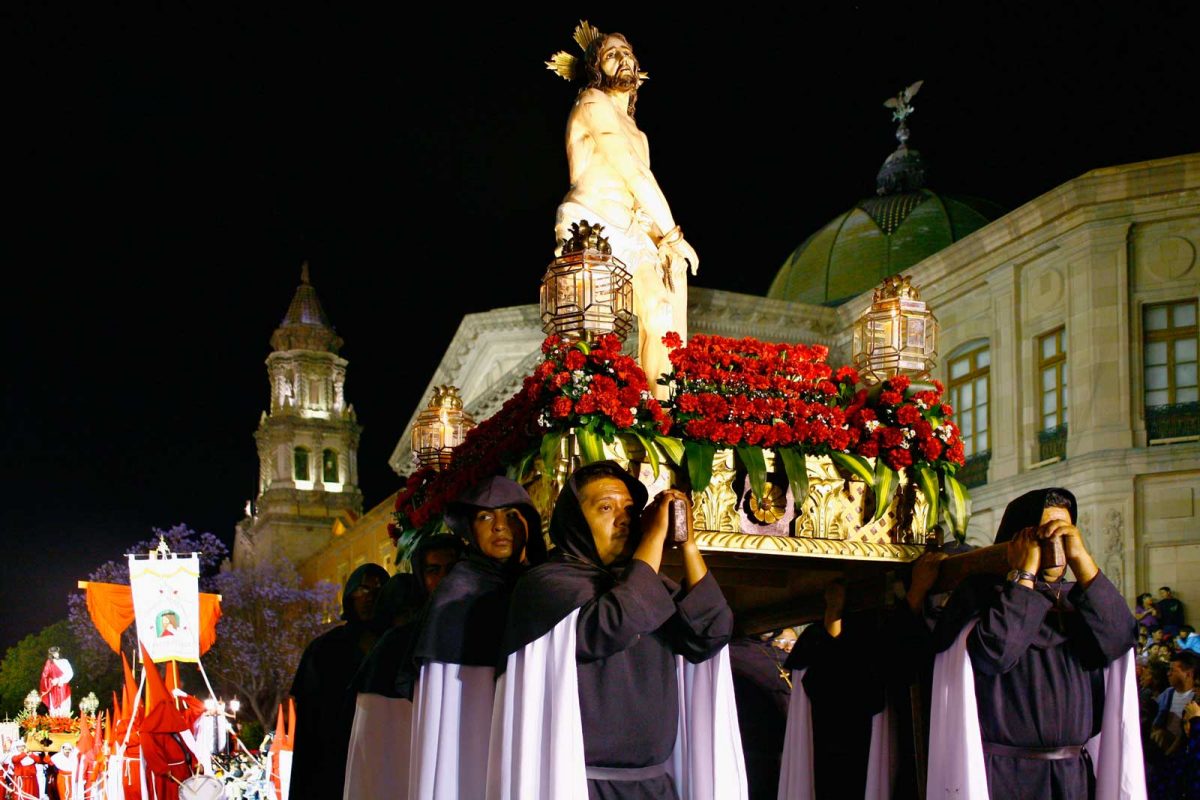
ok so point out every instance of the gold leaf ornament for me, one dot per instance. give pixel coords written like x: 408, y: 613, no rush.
x: 567, y: 65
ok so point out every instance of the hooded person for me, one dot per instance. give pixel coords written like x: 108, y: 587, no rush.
x: 381, y: 730
x: 459, y: 643
x: 616, y: 680
x: 838, y: 740
x: 432, y: 559
x: 1033, y: 688
x: 322, y: 685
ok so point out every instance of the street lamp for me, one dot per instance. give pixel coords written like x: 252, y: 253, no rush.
x: 89, y: 704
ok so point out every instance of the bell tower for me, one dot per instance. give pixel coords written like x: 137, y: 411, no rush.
x: 307, y: 441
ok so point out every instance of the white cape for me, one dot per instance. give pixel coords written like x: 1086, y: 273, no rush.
x: 796, y: 771
x: 452, y: 719
x: 377, y: 759
x: 537, y: 734
x: 956, y: 764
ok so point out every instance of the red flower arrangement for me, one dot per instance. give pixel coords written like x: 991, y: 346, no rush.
x: 732, y: 392
x: 740, y: 393
x: 595, y: 390
x: 47, y: 724
x: 906, y: 426
x: 749, y: 394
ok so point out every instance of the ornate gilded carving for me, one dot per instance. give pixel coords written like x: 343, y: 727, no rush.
x: 716, y: 507
x: 828, y: 510
x: 801, y: 546
x: 830, y: 522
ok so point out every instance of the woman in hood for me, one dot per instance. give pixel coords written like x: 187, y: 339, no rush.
x: 459, y: 643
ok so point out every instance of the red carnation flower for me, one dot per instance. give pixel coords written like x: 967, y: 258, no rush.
x: 561, y: 407
x: 907, y: 415
x: 898, y: 458
x: 671, y: 340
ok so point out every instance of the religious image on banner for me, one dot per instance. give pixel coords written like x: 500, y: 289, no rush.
x: 166, y: 602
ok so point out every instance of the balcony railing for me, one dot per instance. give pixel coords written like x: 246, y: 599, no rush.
x: 1173, y: 421
x: 1052, y: 443
x: 974, y: 472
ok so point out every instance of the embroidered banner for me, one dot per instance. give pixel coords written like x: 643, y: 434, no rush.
x: 166, y: 602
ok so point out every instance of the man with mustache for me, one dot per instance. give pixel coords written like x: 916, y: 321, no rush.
x: 617, y: 681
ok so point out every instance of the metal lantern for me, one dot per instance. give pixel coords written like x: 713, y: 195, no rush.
x: 440, y: 427
x: 586, y: 292
x: 896, y: 336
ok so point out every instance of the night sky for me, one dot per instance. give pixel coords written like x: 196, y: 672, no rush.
x: 174, y: 168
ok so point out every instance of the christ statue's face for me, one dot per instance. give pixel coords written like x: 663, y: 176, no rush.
x: 617, y: 63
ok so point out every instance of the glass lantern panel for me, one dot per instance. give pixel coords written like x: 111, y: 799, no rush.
x: 916, y: 333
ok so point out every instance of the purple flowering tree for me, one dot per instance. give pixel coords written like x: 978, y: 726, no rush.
x: 267, y: 619
x: 96, y: 659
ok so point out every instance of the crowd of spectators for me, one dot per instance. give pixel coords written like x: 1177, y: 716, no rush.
x: 1168, y: 667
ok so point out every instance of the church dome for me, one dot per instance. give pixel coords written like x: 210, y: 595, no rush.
x: 880, y: 236
x: 883, y: 235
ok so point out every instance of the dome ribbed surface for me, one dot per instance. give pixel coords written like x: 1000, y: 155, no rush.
x: 879, y: 237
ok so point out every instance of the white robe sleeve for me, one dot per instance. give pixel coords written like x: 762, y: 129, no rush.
x: 536, y: 750
x: 1117, y: 750
x: 708, y: 763
x: 452, y: 720
x: 796, y: 768
x: 882, y: 760
x: 796, y: 771
x: 380, y: 739
x: 956, y: 766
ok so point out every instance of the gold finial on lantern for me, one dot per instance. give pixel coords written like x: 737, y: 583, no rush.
x: 440, y: 427
x: 897, y: 335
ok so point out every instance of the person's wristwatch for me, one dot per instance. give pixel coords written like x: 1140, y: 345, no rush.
x: 1017, y: 575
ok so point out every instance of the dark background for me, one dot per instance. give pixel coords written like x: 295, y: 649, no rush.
x: 168, y: 171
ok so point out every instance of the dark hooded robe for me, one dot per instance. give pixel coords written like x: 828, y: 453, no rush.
x: 427, y: 545
x: 1038, y: 659
x: 843, y: 694
x: 321, y: 688
x: 622, y: 627
x: 458, y: 648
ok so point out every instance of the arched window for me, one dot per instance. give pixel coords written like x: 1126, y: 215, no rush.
x: 300, y: 464
x: 329, y: 466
